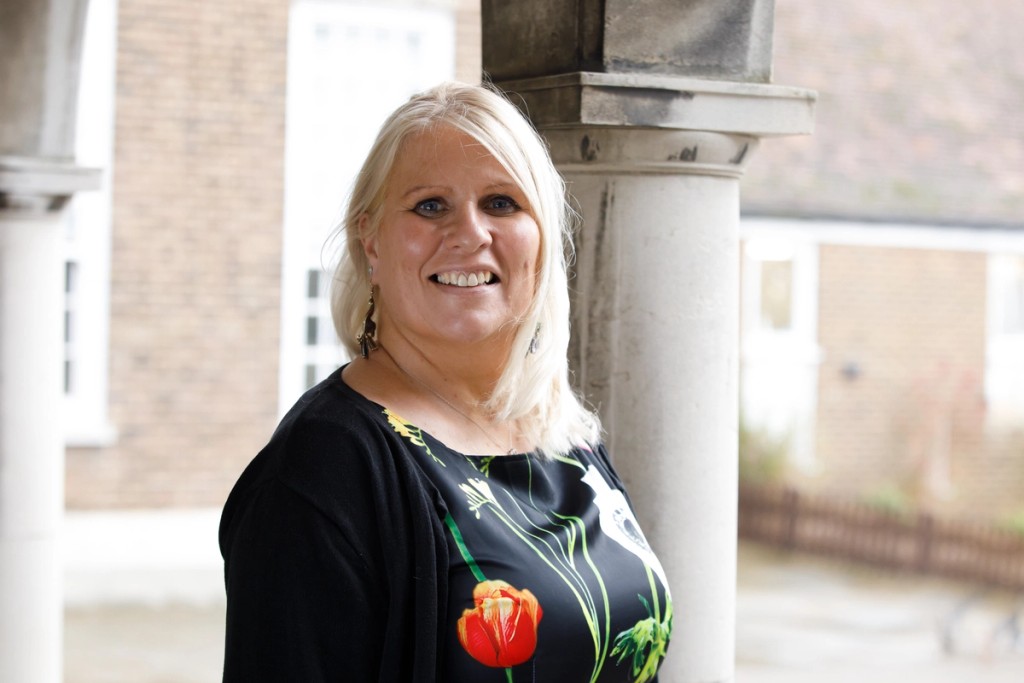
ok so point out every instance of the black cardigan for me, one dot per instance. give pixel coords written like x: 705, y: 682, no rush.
x: 333, y: 518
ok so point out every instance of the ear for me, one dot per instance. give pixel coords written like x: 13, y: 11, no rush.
x: 369, y: 241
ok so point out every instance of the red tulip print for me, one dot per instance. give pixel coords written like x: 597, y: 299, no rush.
x: 501, y: 629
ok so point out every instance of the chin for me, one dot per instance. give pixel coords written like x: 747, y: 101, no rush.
x: 470, y: 334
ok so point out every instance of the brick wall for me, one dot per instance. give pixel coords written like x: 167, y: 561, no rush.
x: 900, y: 388
x: 196, y: 252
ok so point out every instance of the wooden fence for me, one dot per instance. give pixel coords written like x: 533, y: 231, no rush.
x: 920, y: 543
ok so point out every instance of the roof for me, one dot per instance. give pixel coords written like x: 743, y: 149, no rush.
x: 920, y: 113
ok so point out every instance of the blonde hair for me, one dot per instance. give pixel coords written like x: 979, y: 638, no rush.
x: 534, y: 385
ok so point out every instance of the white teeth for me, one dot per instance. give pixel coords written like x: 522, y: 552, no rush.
x: 482, y: 277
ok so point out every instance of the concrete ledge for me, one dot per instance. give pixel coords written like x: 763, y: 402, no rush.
x: 37, y: 184
x: 653, y: 101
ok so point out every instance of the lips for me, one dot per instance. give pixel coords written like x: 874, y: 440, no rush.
x: 459, y: 278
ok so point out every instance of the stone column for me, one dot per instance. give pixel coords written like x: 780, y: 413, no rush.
x: 39, y: 51
x: 651, y: 109
x: 32, y: 194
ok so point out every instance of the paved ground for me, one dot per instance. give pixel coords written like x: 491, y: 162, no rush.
x: 799, y: 620
x: 803, y: 619
x: 143, y: 644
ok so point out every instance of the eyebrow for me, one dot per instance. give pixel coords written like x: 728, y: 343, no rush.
x: 498, y: 186
x: 420, y: 188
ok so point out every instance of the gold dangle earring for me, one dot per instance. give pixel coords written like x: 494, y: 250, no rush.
x: 366, y: 340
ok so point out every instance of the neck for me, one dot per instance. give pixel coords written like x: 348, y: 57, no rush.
x: 484, y: 423
x: 461, y: 376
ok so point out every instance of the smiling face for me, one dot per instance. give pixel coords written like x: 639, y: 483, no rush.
x: 455, y: 255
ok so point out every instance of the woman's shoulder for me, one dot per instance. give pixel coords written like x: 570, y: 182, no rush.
x: 329, y: 423
x: 331, y: 440
x: 597, y: 455
x: 327, y: 418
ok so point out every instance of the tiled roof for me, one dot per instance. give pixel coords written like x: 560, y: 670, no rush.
x: 920, y: 112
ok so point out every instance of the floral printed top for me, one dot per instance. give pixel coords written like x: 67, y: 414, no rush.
x: 357, y: 547
x: 550, y: 577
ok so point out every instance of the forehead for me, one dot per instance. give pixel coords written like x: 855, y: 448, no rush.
x: 442, y: 154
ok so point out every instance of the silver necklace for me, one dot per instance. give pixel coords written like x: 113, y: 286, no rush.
x: 448, y: 403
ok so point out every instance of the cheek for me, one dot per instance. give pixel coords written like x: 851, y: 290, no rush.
x: 528, y: 257
x: 404, y: 252
x: 527, y: 245
x: 533, y: 256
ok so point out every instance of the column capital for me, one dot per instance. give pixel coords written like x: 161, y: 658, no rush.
x: 611, y: 150
x: 35, y: 185
x: 657, y: 101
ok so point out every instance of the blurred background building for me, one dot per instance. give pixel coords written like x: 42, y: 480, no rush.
x: 883, y: 327
x: 883, y: 261
x: 195, y: 284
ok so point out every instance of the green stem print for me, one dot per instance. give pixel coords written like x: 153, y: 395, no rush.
x: 565, y: 459
x: 654, y: 595
x: 560, y: 542
x: 573, y: 520
x: 482, y: 464
x: 457, y: 536
x: 559, y: 556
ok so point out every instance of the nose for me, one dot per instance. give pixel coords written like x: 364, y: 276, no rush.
x: 470, y: 230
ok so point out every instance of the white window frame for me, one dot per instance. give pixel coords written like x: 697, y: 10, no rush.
x: 88, y: 228
x: 1004, y: 352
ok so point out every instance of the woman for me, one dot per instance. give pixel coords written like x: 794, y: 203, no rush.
x: 441, y: 508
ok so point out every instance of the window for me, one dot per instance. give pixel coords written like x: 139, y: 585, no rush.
x: 349, y: 66
x: 776, y: 294
x: 777, y: 276
x: 87, y: 240
x: 70, y: 322
x: 322, y: 354
x: 779, y: 353
x: 1004, y: 362
x: 1009, y: 294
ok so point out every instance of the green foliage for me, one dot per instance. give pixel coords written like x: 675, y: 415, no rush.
x: 763, y: 456
x: 1014, y: 523
x: 889, y: 498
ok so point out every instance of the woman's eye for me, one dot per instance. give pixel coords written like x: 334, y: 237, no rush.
x: 501, y: 204
x: 429, y: 207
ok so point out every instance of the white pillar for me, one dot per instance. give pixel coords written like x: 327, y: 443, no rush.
x: 655, y: 168
x: 656, y: 318
x: 32, y: 195
x: 40, y: 42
